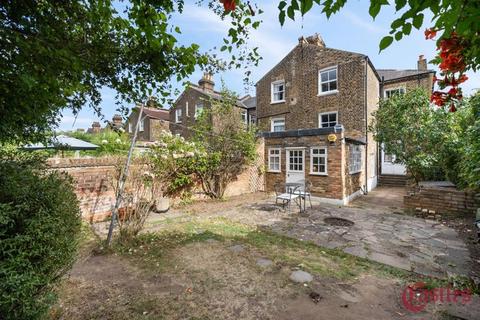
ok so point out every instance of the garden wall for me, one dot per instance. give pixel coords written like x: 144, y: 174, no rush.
x: 94, y: 187
x: 442, y: 200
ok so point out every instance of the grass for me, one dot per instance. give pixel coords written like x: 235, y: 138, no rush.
x: 154, y: 248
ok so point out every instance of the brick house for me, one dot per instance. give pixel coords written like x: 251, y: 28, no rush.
x: 153, y: 121
x: 313, y: 110
x: 196, y: 97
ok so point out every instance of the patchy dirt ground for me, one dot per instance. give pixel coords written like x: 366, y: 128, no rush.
x: 185, y: 274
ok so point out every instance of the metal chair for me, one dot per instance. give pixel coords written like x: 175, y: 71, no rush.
x: 305, y: 191
x: 285, y: 196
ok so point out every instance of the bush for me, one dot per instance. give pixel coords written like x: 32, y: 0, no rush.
x: 39, y: 224
x: 110, y: 142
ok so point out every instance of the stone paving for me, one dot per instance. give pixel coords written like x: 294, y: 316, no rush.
x: 423, y: 246
x: 380, y: 234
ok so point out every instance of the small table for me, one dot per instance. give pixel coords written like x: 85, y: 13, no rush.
x: 294, y: 185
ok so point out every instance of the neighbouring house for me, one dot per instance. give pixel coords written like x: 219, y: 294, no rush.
x: 195, y: 98
x: 398, y: 82
x: 153, y: 121
x: 313, y: 110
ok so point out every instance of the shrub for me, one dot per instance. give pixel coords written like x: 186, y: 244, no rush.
x: 110, y: 142
x: 39, y: 223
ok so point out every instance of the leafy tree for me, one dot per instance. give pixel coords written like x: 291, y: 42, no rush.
x: 449, y: 16
x: 227, y: 141
x: 110, y: 142
x: 411, y: 129
x: 39, y: 224
x: 57, y: 55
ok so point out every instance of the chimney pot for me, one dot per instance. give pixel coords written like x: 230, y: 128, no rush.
x: 316, y: 39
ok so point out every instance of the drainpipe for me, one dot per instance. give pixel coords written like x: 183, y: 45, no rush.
x: 366, y: 126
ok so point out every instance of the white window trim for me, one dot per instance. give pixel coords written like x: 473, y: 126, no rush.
x: 178, y: 115
x: 392, y: 89
x: 287, y: 157
x: 186, y: 109
x: 130, y: 127
x: 326, y: 93
x: 242, y: 113
x: 141, y: 126
x: 361, y: 161
x: 324, y: 113
x: 272, y: 101
x: 279, y: 160
x: 196, y: 109
x: 326, y: 162
x: 277, y: 118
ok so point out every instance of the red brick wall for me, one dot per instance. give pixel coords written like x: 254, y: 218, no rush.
x: 93, y: 184
x: 442, y: 200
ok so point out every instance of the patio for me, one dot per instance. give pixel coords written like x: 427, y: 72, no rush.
x: 369, y: 231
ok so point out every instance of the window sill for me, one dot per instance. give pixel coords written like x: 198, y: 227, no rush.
x: 327, y: 93
x: 277, y: 102
x: 355, y: 172
x: 318, y: 174
x: 274, y: 171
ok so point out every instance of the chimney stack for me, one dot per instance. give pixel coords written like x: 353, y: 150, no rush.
x: 117, y: 121
x: 96, y: 127
x: 422, y: 63
x: 206, y: 83
x: 316, y: 39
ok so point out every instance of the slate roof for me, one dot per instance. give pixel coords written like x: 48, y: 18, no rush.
x: 218, y: 96
x: 249, y: 102
x: 161, y: 114
x: 392, y: 74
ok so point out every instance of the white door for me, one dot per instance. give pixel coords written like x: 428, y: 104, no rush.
x: 295, y: 165
x: 389, y: 166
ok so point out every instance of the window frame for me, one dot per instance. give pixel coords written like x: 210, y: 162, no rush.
x: 141, y: 125
x: 272, y: 126
x: 325, y: 156
x: 320, y: 122
x: 178, y: 115
x: 351, y: 160
x: 252, y: 119
x: 279, y: 155
x: 244, y: 116
x: 393, y: 89
x: 272, y: 92
x: 320, y: 82
x: 195, y: 116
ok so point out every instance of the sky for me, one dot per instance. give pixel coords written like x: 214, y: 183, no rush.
x: 352, y: 29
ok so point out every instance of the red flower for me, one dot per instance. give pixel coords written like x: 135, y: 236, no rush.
x: 430, y: 33
x: 453, y: 92
x: 462, y: 78
x: 228, y: 5
x: 452, y: 107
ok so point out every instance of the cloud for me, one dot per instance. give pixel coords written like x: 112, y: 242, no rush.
x: 365, y: 25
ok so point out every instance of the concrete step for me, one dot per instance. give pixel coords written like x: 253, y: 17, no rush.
x: 392, y: 180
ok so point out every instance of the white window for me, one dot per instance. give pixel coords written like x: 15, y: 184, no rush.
x: 178, y: 115
x: 130, y: 127
x: 186, y: 108
x: 318, y: 160
x: 355, y: 159
x: 274, y: 160
x: 295, y: 160
x: 395, y: 91
x: 253, y: 120
x: 327, y: 119
x: 327, y: 81
x: 278, y: 91
x: 198, y: 109
x: 141, y: 127
x: 278, y: 124
x: 244, y: 116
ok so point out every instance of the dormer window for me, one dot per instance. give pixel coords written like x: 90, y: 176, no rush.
x: 178, y: 115
x: 278, y: 91
x: 327, y: 81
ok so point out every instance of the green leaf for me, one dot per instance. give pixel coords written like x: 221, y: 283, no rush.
x: 418, y: 20
x: 398, y: 35
x: 281, y: 17
x: 385, y: 42
x: 407, y: 28
x: 305, y: 6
